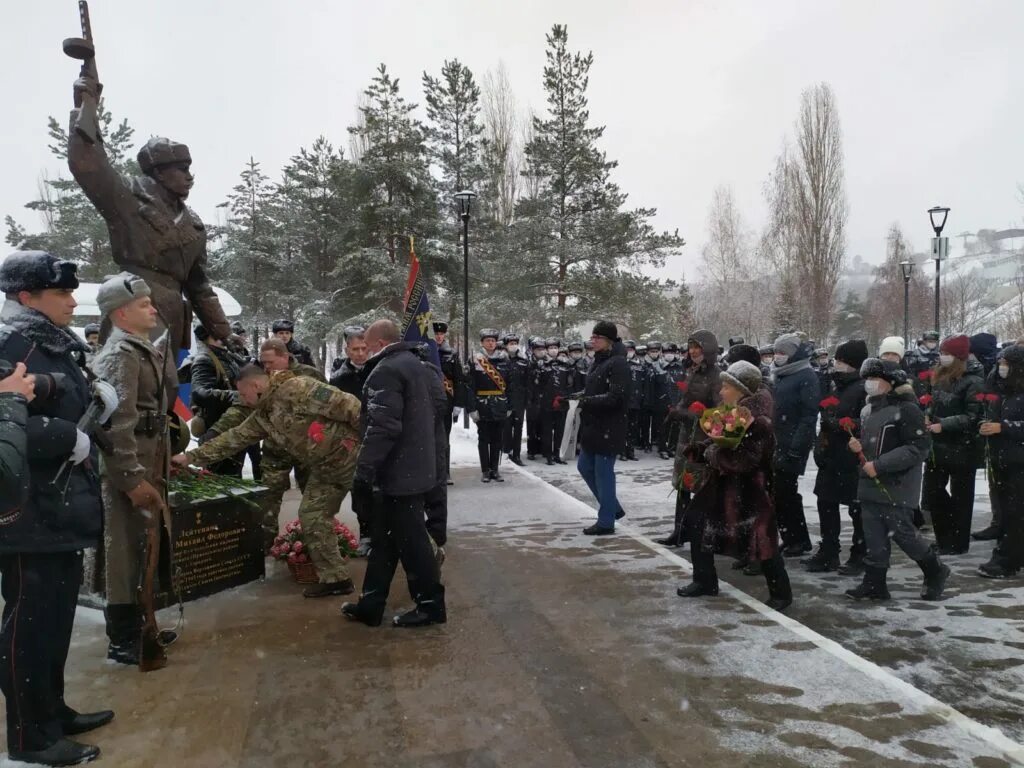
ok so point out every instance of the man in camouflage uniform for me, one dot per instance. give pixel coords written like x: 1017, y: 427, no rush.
x: 134, y: 469
x: 317, y: 426
x: 277, y: 464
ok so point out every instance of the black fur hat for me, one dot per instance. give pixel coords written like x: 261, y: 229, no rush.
x: 37, y: 271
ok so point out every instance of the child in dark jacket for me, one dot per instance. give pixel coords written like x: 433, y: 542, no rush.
x: 892, y: 447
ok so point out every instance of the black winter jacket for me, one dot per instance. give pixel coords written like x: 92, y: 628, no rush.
x: 1006, y: 450
x: 837, y: 466
x: 213, y: 390
x: 403, y: 407
x: 956, y: 405
x: 894, y: 438
x: 518, y: 375
x: 796, y: 411
x: 703, y: 385
x: 349, y: 379
x: 454, y: 377
x: 604, y: 403
x: 656, y: 394
x: 488, y: 397
x: 53, y: 519
x: 560, y: 382
x: 638, y: 383
x: 14, y: 474
x: 300, y: 352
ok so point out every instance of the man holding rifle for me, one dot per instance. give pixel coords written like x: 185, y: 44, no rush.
x: 41, y: 544
x: 135, y: 467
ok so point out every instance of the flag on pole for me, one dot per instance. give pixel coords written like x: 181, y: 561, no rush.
x: 417, y: 325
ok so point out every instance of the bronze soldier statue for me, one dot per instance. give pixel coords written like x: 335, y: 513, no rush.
x: 153, y: 234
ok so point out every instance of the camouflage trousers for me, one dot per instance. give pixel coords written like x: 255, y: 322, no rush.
x: 277, y: 469
x: 321, y: 500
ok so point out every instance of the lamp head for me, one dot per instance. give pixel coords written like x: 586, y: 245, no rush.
x: 938, y: 216
x: 464, y: 200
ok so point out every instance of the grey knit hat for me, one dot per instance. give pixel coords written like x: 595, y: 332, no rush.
x: 119, y: 290
x: 787, y: 344
x: 743, y: 376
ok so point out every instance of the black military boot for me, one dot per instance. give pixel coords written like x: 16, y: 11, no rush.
x: 427, y: 611
x: 825, y: 560
x: 780, y: 593
x: 63, y: 752
x: 496, y: 476
x: 485, y: 477
x: 873, y: 587
x: 329, y: 588
x: 705, y: 579
x: 371, y: 617
x: 987, y: 534
x: 854, y: 565
x: 935, y: 575
x: 124, y: 629
x: 73, y: 723
x: 997, y: 568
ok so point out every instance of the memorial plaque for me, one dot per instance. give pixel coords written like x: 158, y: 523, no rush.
x: 218, y: 544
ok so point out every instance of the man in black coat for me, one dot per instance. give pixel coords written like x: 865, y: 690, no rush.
x: 403, y: 456
x: 797, y: 395
x: 285, y: 331
x: 488, y: 395
x: 536, y: 384
x: 41, y: 549
x: 17, y: 390
x: 638, y: 382
x: 603, y: 424
x: 350, y: 377
x: 519, y: 372
x: 214, y: 374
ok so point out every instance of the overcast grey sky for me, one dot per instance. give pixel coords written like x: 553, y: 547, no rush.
x: 693, y: 94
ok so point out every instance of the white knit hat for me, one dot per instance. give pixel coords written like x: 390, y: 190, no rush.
x: 892, y: 344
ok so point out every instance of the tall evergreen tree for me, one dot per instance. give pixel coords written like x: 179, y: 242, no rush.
x: 454, y: 131
x: 73, y: 228
x: 575, y: 239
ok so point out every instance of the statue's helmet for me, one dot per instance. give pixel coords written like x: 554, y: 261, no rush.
x: 162, y: 151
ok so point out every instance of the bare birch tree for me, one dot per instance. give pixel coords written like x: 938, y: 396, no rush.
x: 502, y: 145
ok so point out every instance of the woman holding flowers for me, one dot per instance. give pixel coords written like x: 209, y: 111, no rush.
x: 952, y: 417
x: 1003, y: 428
x: 732, y: 511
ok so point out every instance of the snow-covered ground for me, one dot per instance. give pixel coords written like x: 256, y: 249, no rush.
x: 966, y: 651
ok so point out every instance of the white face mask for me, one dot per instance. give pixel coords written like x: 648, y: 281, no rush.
x: 873, y: 387
x: 945, y: 360
x: 540, y: 353
x: 552, y: 351
x: 512, y: 348
x: 842, y: 367
x: 630, y: 354
x: 1004, y: 371
x: 654, y: 355
x: 781, y: 360
x: 669, y: 357
x: 930, y: 345
x: 576, y: 355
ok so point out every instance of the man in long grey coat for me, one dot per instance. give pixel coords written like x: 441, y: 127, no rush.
x: 135, y: 468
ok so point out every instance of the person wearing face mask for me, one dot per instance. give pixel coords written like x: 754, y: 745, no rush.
x: 702, y: 386
x: 519, y: 372
x: 767, y: 353
x: 675, y: 372
x: 655, y: 396
x: 952, y: 418
x: 985, y: 348
x: 580, y: 362
x: 561, y: 382
x: 919, y: 362
x: 836, y: 483
x: 536, y: 383
x: 488, y: 396
x: 1003, y: 429
x: 996, y: 383
x: 893, y: 443
x: 797, y: 394
x: 637, y: 374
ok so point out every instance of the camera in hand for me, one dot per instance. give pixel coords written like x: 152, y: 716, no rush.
x: 48, y: 386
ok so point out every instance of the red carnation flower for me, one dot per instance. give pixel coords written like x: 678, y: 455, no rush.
x: 981, y: 397
x: 925, y: 400
x: 689, y: 480
x: 557, y: 401
x: 349, y: 443
x: 682, y: 386
x: 829, y: 402
x: 697, y: 408
x: 924, y: 375
x: 991, y: 398
x: 848, y: 424
x: 316, y: 432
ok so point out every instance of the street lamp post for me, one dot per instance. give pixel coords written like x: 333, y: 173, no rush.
x: 907, y: 267
x: 940, y: 248
x: 464, y: 200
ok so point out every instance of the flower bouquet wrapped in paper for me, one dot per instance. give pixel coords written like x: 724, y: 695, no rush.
x: 726, y: 424
x: 290, y: 547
